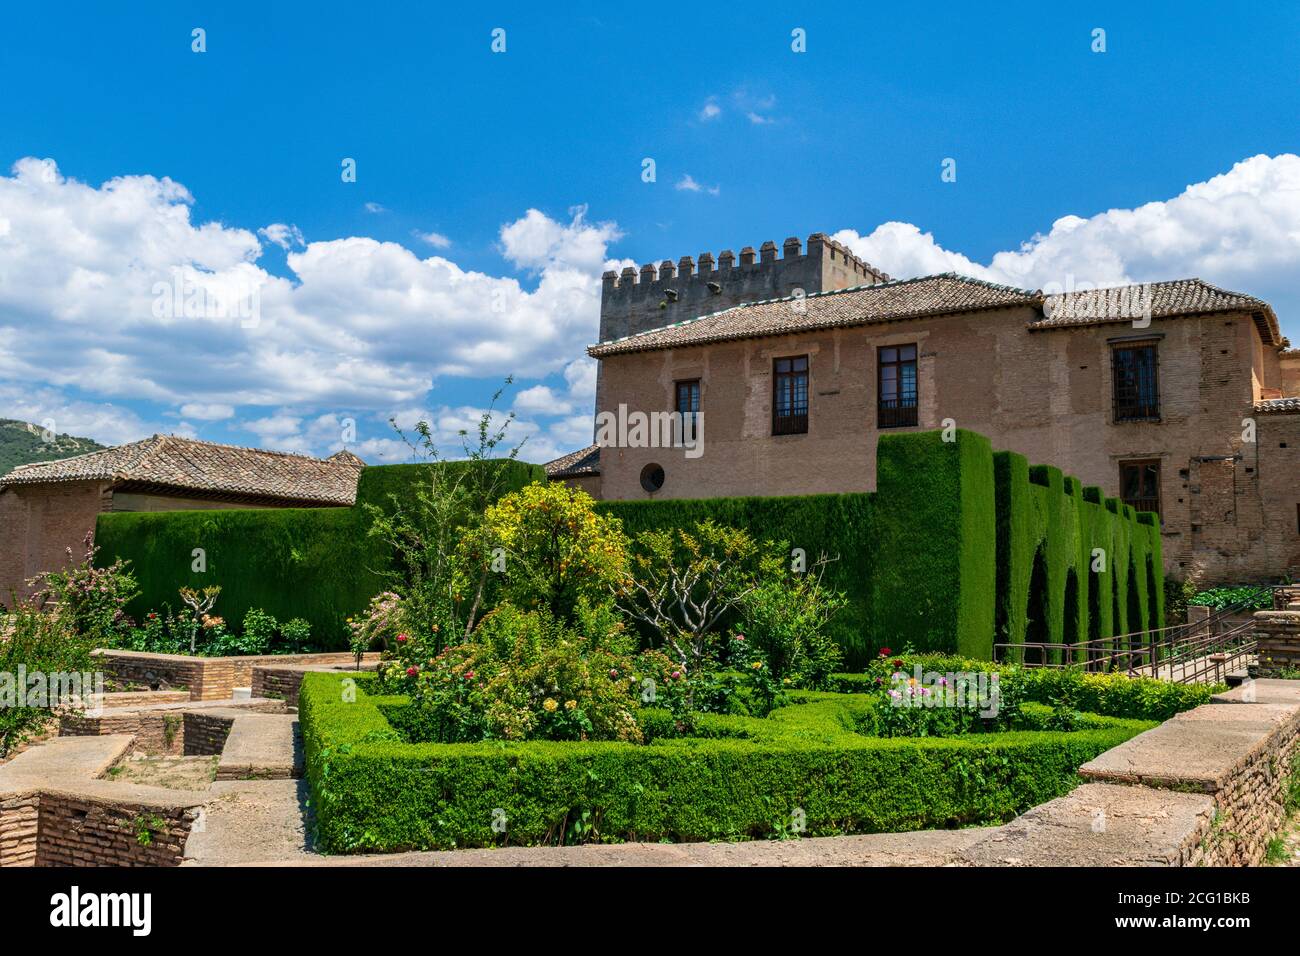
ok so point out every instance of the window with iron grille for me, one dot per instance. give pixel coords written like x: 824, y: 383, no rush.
x: 790, y: 395
x: 688, y: 406
x: 1135, y: 371
x: 1139, y: 484
x: 896, y: 386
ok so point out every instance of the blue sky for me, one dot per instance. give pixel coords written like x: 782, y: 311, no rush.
x: 377, y: 296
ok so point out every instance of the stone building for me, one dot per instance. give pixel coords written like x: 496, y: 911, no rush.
x: 1179, y: 397
x: 48, y: 507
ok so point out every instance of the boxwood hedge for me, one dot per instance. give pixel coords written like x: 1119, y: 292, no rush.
x: 371, y: 791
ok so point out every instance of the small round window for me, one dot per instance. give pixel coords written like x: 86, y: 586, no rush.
x: 652, y: 477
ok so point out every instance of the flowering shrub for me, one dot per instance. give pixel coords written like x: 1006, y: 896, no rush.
x: 522, y: 675
x: 385, y: 618
x: 91, y: 600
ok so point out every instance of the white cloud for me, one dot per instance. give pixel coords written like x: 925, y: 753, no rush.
x: 435, y: 239
x: 207, y: 412
x: 1240, y: 230
x: 106, y: 423
x: 375, y: 208
x: 758, y: 119
x: 540, y: 400
x: 282, y: 235
x: 94, y: 282
x: 688, y: 184
x: 710, y: 110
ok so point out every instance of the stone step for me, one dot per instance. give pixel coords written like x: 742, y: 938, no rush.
x: 262, y: 747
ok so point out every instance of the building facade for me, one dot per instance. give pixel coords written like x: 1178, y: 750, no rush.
x: 1178, y: 397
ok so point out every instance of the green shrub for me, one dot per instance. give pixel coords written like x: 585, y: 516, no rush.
x: 936, y: 529
x: 739, y: 777
x: 1247, y: 597
x: 522, y: 675
x: 1107, y: 695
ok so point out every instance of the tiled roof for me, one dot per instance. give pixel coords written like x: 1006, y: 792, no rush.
x: 585, y: 461
x: 945, y: 294
x: 883, y: 302
x: 190, y: 465
x: 1166, y: 299
x: 1278, y: 405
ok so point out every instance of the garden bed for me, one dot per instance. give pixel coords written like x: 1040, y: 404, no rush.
x: 806, y: 769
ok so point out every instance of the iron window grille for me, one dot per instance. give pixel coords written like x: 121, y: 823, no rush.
x: 896, y: 397
x: 790, y: 396
x: 1136, y: 375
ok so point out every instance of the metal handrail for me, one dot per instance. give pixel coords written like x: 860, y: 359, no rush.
x: 1187, y: 652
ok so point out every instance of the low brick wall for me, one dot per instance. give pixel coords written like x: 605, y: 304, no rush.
x: 205, y: 734
x: 80, y: 831
x: 169, y: 729
x: 19, y: 817
x: 207, y: 678
x: 1278, y: 636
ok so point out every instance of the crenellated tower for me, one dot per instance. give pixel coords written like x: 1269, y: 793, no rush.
x: 651, y: 298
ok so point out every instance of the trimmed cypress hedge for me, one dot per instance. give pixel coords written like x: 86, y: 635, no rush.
x: 372, y: 791
x: 935, y: 585
x: 314, y: 563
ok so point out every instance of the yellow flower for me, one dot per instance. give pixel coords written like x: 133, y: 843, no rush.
x: 756, y: 665
x: 570, y: 704
x: 549, y: 705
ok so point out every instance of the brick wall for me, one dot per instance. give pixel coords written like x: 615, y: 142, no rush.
x: 207, y: 678
x: 1045, y: 394
x: 38, y: 524
x: 77, y: 831
x: 19, y: 817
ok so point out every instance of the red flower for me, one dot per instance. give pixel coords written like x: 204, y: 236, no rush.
x: 885, y: 652
x: 412, y: 671
x: 401, y: 638
x: 469, y: 675
x: 897, y: 663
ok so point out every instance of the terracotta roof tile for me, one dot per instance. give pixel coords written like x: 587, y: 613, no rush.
x: 883, y: 302
x: 945, y: 294
x: 1165, y: 299
x: 192, y: 465
x: 585, y: 461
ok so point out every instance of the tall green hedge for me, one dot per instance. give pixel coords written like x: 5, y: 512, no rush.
x: 314, y: 563
x: 937, y: 531
x: 843, y: 527
x: 1073, y: 565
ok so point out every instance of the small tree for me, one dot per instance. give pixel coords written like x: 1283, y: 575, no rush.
x: 442, y: 592
x: 684, y: 582
x: 90, y: 600
x: 199, y: 603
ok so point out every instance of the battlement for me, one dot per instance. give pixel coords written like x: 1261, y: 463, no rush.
x: 653, y: 296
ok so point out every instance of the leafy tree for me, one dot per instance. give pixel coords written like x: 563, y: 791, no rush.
x: 551, y: 549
